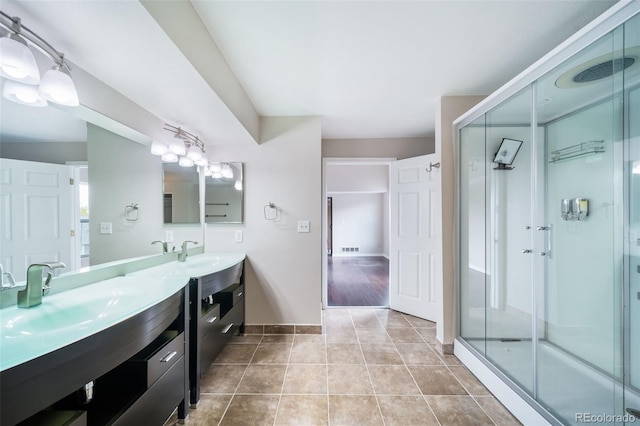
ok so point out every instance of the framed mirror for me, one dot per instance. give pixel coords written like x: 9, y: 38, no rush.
x: 224, y: 193
x: 180, y: 192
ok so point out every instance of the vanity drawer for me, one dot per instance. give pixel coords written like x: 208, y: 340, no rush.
x: 154, y: 360
x: 238, y: 294
x: 232, y: 320
x: 229, y: 297
x: 209, y: 320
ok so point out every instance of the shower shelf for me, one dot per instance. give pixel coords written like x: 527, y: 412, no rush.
x: 578, y: 150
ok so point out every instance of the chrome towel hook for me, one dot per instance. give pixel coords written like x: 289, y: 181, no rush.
x: 432, y: 166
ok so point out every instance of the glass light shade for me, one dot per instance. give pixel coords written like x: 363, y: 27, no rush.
x: 158, y: 148
x: 201, y: 161
x: 185, y: 162
x: 170, y: 157
x: 238, y: 185
x: 226, y: 171
x: 25, y: 94
x: 215, y: 167
x: 17, y: 62
x: 194, y: 153
x: 177, y: 146
x: 207, y: 171
x: 56, y: 86
x: 216, y: 175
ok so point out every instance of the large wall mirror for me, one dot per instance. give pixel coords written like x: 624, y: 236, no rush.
x: 180, y: 194
x: 224, y: 190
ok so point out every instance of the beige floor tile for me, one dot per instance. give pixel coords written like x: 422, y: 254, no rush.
x: 341, y: 336
x: 392, y: 380
x: 406, y: 411
x: 349, y: 379
x: 393, y: 319
x: 458, y: 411
x: 338, y: 322
x: 272, y: 353
x: 262, y: 379
x: 277, y: 338
x: 309, y: 338
x: 436, y: 380
x: 469, y: 381
x: 306, y: 379
x: 357, y: 410
x: 449, y: 359
x: 496, y: 411
x: 247, y: 338
x: 210, y: 410
x: 381, y: 354
x: 301, y: 410
x: 404, y: 335
x: 418, y: 354
x: 222, y: 378
x: 373, y: 335
x: 370, y: 320
x: 251, y: 410
x: 236, y: 354
x: 308, y: 353
x: 336, y: 312
x: 344, y: 353
x: 428, y: 334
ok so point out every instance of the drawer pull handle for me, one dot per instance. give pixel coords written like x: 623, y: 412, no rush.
x: 212, y: 320
x: 227, y: 328
x: 241, y: 293
x: 168, y: 357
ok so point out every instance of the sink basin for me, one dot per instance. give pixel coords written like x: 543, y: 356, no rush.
x: 195, y: 266
x: 70, y: 316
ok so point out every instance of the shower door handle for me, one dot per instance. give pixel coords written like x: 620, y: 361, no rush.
x: 527, y: 251
x: 542, y: 253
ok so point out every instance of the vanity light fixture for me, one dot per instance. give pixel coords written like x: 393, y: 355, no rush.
x: 20, y: 69
x: 185, y: 148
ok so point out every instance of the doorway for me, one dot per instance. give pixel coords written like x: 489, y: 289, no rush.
x: 356, y: 228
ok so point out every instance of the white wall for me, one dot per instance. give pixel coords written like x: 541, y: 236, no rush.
x: 357, y: 178
x: 122, y: 172
x: 397, y: 147
x: 358, y: 221
x: 283, y: 267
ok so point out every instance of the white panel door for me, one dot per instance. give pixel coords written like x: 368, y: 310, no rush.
x: 415, y: 236
x: 35, y: 215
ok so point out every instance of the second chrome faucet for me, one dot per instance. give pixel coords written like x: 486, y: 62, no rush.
x: 182, y: 256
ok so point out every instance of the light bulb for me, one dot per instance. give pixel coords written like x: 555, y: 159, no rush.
x: 238, y: 185
x: 170, y: 157
x: 25, y: 94
x: 185, y: 162
x: 158, y: 148
x: 57, y: 87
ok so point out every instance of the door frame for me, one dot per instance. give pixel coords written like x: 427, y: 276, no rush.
x: 347, y: 161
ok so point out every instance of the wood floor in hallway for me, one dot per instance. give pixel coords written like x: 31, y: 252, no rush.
x: 358, y: 281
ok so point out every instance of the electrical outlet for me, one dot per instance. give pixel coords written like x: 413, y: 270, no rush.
x: 106, y: 228
x: 303, y: 226
x: 238, y: 236
x: 168, y: 236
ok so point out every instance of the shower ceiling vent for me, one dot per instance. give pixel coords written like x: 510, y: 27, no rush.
x: 599, y: 68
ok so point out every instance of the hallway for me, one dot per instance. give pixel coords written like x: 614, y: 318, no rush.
x: 358, y: 281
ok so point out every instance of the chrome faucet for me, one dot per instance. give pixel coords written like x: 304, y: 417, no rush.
x: 32, y: 294
x: 165, y: 248
x: 182, y: 256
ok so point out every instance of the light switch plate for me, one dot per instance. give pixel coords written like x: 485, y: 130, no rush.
x: 168, y: 236
x: 106, y: 228
x: 238, y: 236
x: 303, y: 226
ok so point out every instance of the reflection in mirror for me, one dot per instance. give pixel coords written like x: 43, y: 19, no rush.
x: 224, y: 193
x: 180, y: 194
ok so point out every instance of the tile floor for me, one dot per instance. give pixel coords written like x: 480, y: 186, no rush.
x: 370, y: 367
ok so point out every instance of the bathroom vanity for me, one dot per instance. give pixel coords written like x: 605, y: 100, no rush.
x: 124, y: 350
x: 113, y: 352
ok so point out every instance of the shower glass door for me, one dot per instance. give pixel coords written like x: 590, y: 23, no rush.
x: 579, y: 353
x: 632, y: 200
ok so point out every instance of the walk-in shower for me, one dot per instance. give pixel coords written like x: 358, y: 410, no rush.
x: 549, y: 247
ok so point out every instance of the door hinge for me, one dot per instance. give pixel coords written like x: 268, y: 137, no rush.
x: 71, y: 181
x: 72, y: 233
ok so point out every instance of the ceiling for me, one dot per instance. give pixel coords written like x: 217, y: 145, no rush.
x: 370, y: 69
